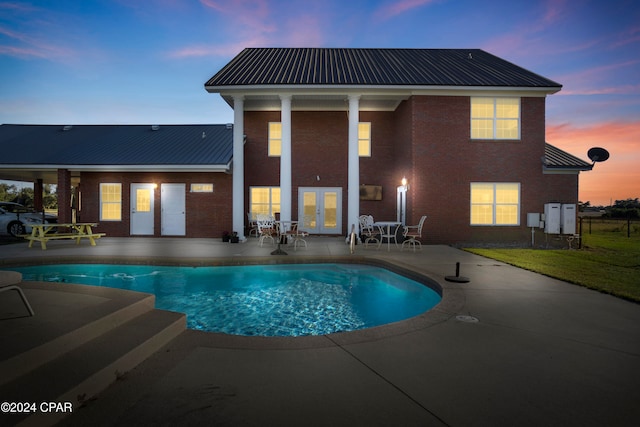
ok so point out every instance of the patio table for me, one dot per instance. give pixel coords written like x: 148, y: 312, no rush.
x: 385, y: 232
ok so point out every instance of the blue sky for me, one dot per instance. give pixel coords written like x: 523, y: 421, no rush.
x: 146, y: 62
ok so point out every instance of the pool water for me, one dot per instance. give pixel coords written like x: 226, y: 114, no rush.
x: 262, y: 300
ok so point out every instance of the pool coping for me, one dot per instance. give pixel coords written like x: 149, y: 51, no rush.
x: 450, y: 304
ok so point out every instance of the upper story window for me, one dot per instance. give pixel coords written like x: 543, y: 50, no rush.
x: 364, y: 139
x: 495, y: 118
x: 110, y: 202
x: 275, y: 139
x: 495, y: 203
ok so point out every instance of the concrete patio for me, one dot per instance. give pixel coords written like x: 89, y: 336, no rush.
x: 510, y: 347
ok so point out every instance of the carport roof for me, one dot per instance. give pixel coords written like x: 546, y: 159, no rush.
x: 143, y: 145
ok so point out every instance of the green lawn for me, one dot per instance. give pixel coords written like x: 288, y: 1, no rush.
x: 609, y: 262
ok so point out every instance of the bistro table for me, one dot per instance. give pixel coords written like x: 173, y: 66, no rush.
x: 284, y: 228
x: 44, y: 232
x: 385, y: 232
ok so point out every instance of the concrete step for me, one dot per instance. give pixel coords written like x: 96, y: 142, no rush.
x: 30, y: 342
x: 80, y: 374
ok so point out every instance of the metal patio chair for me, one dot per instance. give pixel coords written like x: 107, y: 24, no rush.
x: 412, y: 233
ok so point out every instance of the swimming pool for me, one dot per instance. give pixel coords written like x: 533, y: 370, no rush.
x: 262, y: 300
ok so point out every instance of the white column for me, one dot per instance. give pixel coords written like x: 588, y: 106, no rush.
x: 238, y: 211
x: 353, y: 199
x: 285, y: 159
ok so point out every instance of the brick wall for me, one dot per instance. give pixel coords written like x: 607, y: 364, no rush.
x: 207, y: 214
x: 427, y: 140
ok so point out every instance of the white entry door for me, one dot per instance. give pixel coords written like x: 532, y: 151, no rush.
x: 141, y: 209
x: 173, y: 218
x: 320, y: 210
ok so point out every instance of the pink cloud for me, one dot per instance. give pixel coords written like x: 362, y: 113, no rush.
x: 251, y: 23
x: 616, y: 179
x: 632, y: 35
x: 27, y: 46
x: 553, y: 12
x: 585, y: 81
x: 251, y: 13
x: 398, y: 7
x: 21, y: 7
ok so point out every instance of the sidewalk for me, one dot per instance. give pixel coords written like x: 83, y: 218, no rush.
x: 508, y: 348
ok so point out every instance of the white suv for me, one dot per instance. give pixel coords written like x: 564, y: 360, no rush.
x: 15, y: 218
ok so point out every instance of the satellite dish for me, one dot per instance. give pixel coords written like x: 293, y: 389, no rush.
x: 597, y: 154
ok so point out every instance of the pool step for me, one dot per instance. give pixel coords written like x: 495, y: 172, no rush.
x: 81, y: 373
x: 30, y: 342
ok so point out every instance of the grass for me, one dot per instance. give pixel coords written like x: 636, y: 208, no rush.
x: 608, y: 262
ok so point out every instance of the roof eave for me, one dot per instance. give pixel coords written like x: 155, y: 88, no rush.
x: 558, y: 170
x: 122, y: 168
x: 293, y: 89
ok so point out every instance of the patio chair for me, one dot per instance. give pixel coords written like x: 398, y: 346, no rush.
x: 368, y: 232
x: 8, y: 280
x: 266, y: 228
x: 253, y: 226
x: 297, y: 235
x: 412, y: 233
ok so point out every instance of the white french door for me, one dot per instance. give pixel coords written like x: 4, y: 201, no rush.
x: 142, y: 209
x: 320, y: 210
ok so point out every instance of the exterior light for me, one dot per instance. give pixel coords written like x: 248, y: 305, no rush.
x: 404, y: 181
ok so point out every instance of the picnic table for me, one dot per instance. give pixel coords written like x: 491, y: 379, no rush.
x: 77, y: 230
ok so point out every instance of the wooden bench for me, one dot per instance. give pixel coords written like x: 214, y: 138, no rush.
x: 43, y: 233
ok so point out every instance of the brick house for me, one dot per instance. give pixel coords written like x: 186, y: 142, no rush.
x: 321, y: 135
x: 325, y: 135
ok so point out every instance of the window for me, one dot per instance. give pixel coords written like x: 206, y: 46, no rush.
x: 495, y: 118
x: 264, y: 200
x: 202, y: 188
x: 110, y: 202
x: 495, y: 203
x: 364, y: 139
x: 275, y: 139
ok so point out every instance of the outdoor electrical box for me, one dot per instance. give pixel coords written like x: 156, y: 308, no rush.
x: 552, y: 218
x: 568, y: 219
x: 533, y: 220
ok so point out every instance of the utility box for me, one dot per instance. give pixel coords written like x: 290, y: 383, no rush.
x: 533, y: 220
x: 552, y: 218
x: 568, y: 219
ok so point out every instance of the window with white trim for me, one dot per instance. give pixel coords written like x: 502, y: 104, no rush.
x: 364, y: 139
x: 202, y: 188
x: 264, y: 200
x: 495, y: 118
x: 495, y: 203
x: 275, y: 139
x: 110, y: 202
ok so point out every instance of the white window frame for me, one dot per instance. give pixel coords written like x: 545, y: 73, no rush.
x: 274, y: 148
x: 111, y: 203
x: 494, y: 204
x: 272, y: 208
x: 202, y: 188
x: 494, y: 117
x: 364, y: 139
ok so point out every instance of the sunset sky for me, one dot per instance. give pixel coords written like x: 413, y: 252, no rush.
x: 146, y: 62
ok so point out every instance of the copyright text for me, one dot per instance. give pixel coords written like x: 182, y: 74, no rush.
x: 33, y: 407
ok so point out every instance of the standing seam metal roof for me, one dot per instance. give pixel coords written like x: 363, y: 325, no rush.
x: 555, y: 158
x: 374, y: 67
x: 116, y: 145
